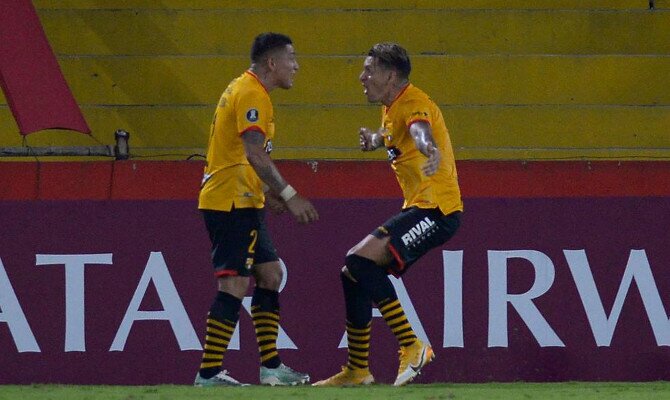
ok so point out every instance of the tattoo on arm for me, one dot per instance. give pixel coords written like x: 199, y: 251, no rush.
x: 271, y: 176
x: 261, y: 162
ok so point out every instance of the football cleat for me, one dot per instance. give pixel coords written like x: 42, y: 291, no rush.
x: 412, y: 359
x: 348, y: 377
x: 282, y: 376
x: 220, y: 379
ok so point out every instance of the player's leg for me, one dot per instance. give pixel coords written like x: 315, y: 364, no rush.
x: 359, y: 317
x: 414, y: 354
x: 265, y: 312
x: 363, y: 281
x: 359, y: 321
x: 396, y: 245
x: 375, y: 281
x: 412, y: 234
x: 221, y: 322
x: 232, y: 236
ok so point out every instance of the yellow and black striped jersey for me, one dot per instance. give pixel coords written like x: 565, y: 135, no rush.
x: 229, y: 180
x: 439, y: 190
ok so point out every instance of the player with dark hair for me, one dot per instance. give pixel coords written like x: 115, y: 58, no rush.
x: 240, y: 178
x: 418, y: 145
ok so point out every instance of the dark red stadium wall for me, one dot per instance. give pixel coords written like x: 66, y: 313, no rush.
x: 566, y: 238
x: 178, y: 180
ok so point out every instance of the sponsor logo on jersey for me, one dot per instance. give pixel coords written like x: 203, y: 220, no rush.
x: 418, y: 232
x: 252, y: 115
x: 420, y: 114
x: 393, y: 152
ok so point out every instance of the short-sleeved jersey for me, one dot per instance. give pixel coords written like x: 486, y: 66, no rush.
x: 439, y: 190
x: 229, y: 180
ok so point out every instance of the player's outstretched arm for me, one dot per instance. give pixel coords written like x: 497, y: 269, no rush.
x: 267, y: 171
x: 423, y: 139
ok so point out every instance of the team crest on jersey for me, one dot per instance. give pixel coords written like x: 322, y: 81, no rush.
x: 252, y: 115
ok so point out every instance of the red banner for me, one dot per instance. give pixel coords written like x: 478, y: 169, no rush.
x: 30, y: 76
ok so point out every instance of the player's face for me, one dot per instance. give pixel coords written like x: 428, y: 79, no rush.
x: 375, y: 79
x: 286, y: 66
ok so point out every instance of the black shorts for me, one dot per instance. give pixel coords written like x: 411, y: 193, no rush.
x: 240, y: 240
x: 414, y: 232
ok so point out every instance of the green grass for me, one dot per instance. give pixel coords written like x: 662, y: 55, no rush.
x: 489, y: 391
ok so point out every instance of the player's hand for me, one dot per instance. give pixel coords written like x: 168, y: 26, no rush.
x: 367, y: 139
x: 301, y: 208
x: 274, y: 203
x: 433, y: 163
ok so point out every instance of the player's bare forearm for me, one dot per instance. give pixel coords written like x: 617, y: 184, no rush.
x: 423, y: 137
x: 261, y: 162
x: 267, y: 171
x: 425, y: 143
x: 370, y: 140
x: 274, y: 203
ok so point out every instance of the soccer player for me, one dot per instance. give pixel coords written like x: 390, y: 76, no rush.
x: 239, y: 179
x: 419, y: 149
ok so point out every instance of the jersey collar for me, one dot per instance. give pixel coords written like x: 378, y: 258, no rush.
x: 398, y: 95
x: 258, y: 80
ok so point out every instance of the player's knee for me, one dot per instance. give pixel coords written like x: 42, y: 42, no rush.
x: 270, y: 278
x: 346, y: 276
x: 372, y: 248
x: 361, y: 267
x: 234, y: 285
x: 270, y: 283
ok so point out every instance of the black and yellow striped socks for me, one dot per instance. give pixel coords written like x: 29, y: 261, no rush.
x: 221, y: 322
x: 374, y: 281
x: 265, y: 314
x: 358, y: 346
x: 359, y: 317
x: 395, y: 318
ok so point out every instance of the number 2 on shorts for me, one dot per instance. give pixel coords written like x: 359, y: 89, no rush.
x: 252, y: 245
